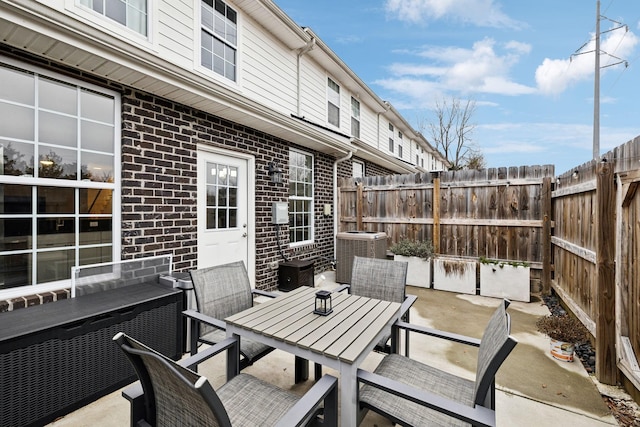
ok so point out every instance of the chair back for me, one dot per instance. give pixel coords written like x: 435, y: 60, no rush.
x: 221, y: 291
x: 495, y: 346
x: 174, y: 395
x: 379, y: 278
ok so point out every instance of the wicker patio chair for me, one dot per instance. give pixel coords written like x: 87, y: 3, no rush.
x: 221, y: 291
x: 412, y: 393
x: 173, y: 395
x: 385, y: 280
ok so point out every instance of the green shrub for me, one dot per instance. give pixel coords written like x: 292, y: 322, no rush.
x: 406, y: 247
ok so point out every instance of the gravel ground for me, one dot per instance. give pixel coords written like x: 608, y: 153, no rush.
x: 625, y: 410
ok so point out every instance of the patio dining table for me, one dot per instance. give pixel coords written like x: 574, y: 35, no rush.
x: 340, y: 340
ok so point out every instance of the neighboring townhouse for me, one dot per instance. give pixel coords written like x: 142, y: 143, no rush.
x: 143, y: 127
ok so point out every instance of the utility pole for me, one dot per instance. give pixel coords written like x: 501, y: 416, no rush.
x: 596, y: 90
x: 596, y: 86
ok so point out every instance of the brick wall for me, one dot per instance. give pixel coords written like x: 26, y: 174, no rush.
x: 159, y: 141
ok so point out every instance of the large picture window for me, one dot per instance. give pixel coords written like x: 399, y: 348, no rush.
x: 58, y: 169
x: 300, y: 197
x: 130, y: 13
x: 219, y: 38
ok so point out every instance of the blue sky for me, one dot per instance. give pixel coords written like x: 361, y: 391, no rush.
x: 515, y: 59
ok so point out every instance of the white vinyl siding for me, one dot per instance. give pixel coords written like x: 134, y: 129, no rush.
x: 175, y: 31
x: 313, y: 88
x: 268, y: 69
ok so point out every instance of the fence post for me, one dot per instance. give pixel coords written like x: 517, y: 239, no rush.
x: 606, y: 369
x: 436, y: 215
x: 546, y: 235
x: 359, y: 206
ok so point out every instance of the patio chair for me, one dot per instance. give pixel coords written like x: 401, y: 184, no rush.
x: 412, y: 393
x: 221, y: 291
x: 385, y: 280
x: 171, y: 394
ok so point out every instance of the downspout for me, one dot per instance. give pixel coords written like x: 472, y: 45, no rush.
x: 310, y: 45
x: 335, y: 198
x: 387, y: 106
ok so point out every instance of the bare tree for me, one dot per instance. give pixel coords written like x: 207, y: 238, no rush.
x: 450, y: 129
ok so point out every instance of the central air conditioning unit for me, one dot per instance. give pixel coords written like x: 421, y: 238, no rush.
x: 367, y: 244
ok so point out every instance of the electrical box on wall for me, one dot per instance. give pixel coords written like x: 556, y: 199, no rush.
x: 279, y: 213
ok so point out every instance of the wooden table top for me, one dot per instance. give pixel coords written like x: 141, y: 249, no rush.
x: 344, y: 334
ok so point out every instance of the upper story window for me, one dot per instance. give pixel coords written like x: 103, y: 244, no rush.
x: 300, y: 197
x: 130, y: 13
x: 219, y: 38
x: 355, y: 117
x: 333, y: 103
x: 391, y: 135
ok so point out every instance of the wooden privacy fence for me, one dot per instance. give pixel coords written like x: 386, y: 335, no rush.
x: 500, y: 213
x: 580, y: 231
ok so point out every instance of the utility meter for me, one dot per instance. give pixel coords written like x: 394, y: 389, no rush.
x: 279, y: 213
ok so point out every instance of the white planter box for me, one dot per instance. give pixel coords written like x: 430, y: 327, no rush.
x: 455, y: 275
x: 506, y: 281
x: 418, y: 271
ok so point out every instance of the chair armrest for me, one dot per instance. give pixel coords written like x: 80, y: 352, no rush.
x: 342, y: 288
x: 203, y: 355
x: 475, y: 415
x: 325, y: 389
x: 197, y: 316
x: 263, y: 293
x: 438, y: 333
x: 407, y: 303
x: 135, y: 394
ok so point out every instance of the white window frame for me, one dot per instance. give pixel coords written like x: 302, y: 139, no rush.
x: 333, y: 99
x: 36, y: 183
x: 198, y: 28
x: 355, y: 117
x: 294, y: 198
x: 392, y: 145
x: 102, y: 20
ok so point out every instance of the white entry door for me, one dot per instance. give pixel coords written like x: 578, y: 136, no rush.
x: 225, y: 210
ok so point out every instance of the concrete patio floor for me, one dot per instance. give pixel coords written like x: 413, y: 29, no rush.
x: 533, y: 388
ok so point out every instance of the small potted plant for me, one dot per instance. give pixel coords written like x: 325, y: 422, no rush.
x: 418, y: 255
x: 565, y: 332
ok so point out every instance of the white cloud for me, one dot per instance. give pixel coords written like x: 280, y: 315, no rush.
x: 482, y: 69
x: 483, y: 13
x: 554, y: 76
